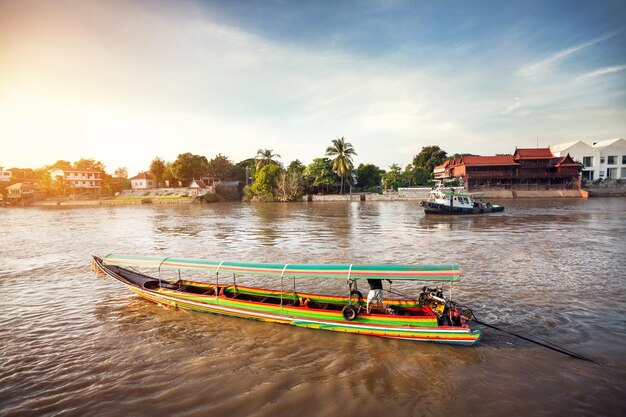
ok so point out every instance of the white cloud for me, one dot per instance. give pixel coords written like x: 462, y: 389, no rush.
x: 517, y: 103
x: 600, y: 72
x: 539, y: 68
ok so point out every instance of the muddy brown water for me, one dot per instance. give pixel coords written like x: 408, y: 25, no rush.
x: 75, y: 345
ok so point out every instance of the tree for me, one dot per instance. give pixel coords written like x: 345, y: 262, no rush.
x: 429, y: 157
x: 265, y: 157
x: 343, y: 152
x: 413, y: 176
x: 319, y: 173
x: 45, y: 182
x: 188, y: 166
x: 393, y: 177
x: 157, y: 168
x: 221, y: 168
x: 168, y: 175
x: 369, y: 176
x: 60, y: 185
x: 22, y: 173
x: 263, y: 187
x: 296, y: 167
x: 288, y: 186
x: 121, y: 173
x: 89, y: 164
x: 245, y: 170
x: 117, y: 182
x: 61, y: 164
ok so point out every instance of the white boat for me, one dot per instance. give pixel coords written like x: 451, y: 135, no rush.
x: 447, y: 202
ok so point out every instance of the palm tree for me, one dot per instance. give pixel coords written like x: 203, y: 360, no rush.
x: 343, y: 153
x: 265, y: 157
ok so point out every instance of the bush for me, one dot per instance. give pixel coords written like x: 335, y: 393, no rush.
x: 210, y: 198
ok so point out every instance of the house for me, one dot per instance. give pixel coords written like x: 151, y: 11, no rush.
x: 79, y: 180
x: 142, y: 181
x: 204, y: 185
x: 603, y: 159
x: 5, y: 175
x: 527, y: 167
x: 21, y: 192
x: 199, y: 187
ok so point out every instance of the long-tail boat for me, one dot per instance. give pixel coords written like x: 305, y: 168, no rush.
x: 430, y: 316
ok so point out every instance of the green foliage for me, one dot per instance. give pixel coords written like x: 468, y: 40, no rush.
x: 45, y: 182
x: 89, y: 164
x: 428, y: 158
x: 188, y: 166
x: 343, y: 152
x: 319, y: 173
x: 263, y: 187
x: 221, y: 168
x: 60, y: 185
x: 61, y: 164
x: 265, y: 157
x: 415, y: 176
x: 369, y: 176
x: 168, y: 175
x: 22, y: 174
x: 210, y: 198
x: 393, y: 177
x: 157, y: 169
x: 121, y: 173
x: 296, y: 167
x: 246, y: 166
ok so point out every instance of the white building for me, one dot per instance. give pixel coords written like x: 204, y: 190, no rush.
x: 5, y: 175
x: 79, y: 179
x: 142, y: 181
x: 603, y: 159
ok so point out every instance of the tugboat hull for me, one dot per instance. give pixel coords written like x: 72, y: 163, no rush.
x: 437, y: 208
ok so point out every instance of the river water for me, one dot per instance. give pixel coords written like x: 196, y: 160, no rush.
x: 75, y: 345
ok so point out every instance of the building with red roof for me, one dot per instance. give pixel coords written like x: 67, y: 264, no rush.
x: 142, y: 181
x: 526, y: 168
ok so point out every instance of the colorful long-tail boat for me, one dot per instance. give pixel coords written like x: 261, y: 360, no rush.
x: 429, y: 317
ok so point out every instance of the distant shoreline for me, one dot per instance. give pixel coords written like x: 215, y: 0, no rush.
x: 393, y: 196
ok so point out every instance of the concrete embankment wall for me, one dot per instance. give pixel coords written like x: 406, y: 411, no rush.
x: 420, y: 194
x: 606, y: 192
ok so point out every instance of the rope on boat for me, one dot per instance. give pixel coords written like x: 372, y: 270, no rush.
x: 467, y: 312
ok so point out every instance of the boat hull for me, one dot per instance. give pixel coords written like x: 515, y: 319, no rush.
x: 437, y: 208
x: 418, y: 328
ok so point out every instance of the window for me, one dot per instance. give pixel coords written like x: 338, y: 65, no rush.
x: 601, y: 174
x: 588, y: 161
x: 623, y: 159
x: 623, y: 173
x: 612, y: 160
x: 601, y: 159
x: 611, y: 172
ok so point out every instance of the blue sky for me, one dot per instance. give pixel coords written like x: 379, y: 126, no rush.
x: 124, y: 81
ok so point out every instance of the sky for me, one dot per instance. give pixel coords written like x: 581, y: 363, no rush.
x: 124, y: 81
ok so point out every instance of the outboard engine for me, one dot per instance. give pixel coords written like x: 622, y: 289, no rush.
x: 433, y: 298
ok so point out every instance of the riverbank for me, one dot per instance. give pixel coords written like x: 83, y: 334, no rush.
x: 400, y: 195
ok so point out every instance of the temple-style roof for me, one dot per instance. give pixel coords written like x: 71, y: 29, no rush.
x: 566, y: 161
x: 488, y: 160
x: 533, y: 153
